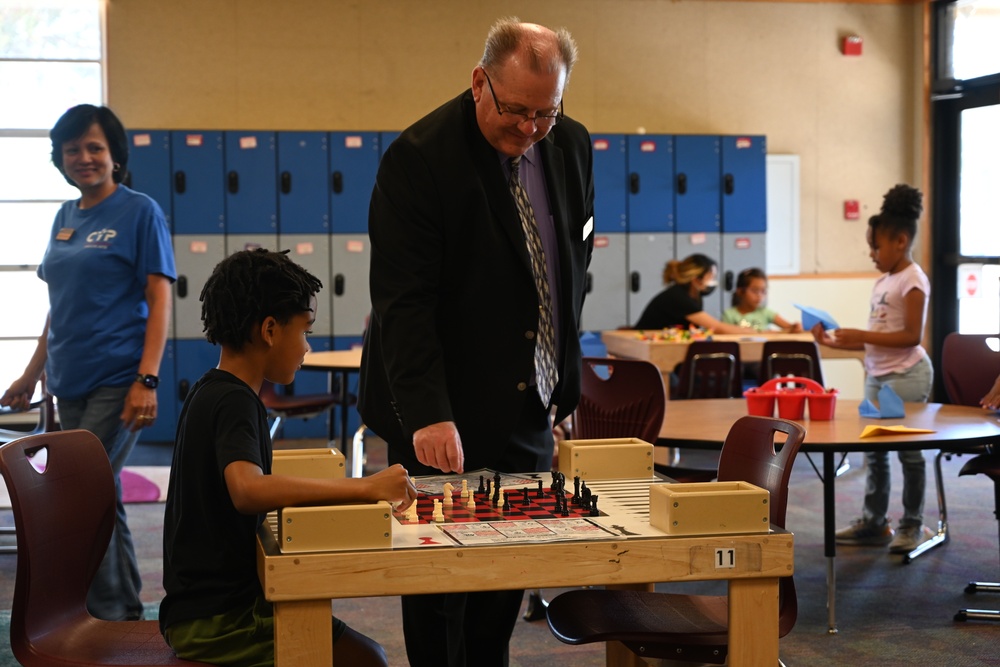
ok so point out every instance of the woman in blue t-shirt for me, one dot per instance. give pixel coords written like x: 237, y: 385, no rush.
x: 108, y: 267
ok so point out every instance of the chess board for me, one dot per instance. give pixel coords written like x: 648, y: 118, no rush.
x: 536, y: 509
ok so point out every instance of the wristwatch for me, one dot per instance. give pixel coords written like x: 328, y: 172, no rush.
x: 150, y: 381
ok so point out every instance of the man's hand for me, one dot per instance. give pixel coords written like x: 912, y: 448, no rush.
x: 440, y: 446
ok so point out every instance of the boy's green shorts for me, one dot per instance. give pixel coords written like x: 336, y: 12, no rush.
x: 243, y: 637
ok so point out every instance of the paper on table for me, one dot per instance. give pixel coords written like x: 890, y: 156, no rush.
x: 872, y: 431
x: 890, y: 405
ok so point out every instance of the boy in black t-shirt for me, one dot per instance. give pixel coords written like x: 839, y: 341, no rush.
x: 258, y: 305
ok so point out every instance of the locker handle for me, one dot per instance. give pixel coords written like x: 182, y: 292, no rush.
x: 182, y: 287
x: 180, y: 182
x: 682, y: 184
x: 729, y: 281
x: 589, y: 284
x: 635, y: 281
x: 633, y: 183
x: 729, y: 184
x: 286, y: 182
x: 338, y: 284
x: 338, y: 182
x: 234, y: 182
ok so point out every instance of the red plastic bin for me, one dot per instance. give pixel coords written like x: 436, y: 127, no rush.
x: 791, y: 401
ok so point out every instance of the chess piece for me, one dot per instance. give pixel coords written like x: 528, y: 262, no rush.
x: 411, y: 512
x: 438, y: 515
x: 465, y: 488
x: 471, y: 504
x: 448, y: 488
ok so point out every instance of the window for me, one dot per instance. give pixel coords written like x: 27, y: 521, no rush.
x: 51, y: 58
x: 968, y: 31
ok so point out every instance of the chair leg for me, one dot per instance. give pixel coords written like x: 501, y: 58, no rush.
x: 983, y: 586
x: 535, y: 610
x: 942, y: 532
x: 358, y: 452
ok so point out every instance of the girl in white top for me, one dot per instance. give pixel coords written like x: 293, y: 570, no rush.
x: 894, y: 357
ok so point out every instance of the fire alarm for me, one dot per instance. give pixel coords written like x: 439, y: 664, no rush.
x: 852, y: 210
x: 852, y: 45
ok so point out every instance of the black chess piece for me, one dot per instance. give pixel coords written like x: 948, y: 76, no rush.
x: 593, y: 506
x: 526, y: 500
x: 576, y: 490
x: 489, y: 486
x: 540, y: 493
x: 482, y: 487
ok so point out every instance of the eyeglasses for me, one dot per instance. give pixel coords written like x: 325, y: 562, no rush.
x: 540, y: 119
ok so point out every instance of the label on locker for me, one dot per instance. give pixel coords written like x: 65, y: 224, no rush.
x: 142, y: 140
x: 355, y: 246
x: 742, y: 243
x: 698, y: 239
x: 248, y: 142
x: 601, y: 242
x: 304, y: 248
x: 194, y: 140
x: 601, y: 144
x: 647, y: 146
x: 353, y: 141
x: 198, y: 247
x: 744, y: 142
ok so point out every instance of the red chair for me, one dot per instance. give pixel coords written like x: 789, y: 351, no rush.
x: 64, y: 518
x: 689, y: 628
x: 969, y: 368
x: 711, y: 369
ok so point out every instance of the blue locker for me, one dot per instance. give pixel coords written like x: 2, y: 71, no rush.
x: 610, y: 198
x: 198, y: 187
x: 309, y: 382
x: 303, y: 163
x: 354, y: 160
x: 697, y: 199
x: 651, y: 176
x: 353, y: 417
x: 149, y: 167
x: 251, y: 184
x: 167, y: 406
x: 194, y: 359
x: 744, y: 184
x: 604, y: 307
x: 385, y: 139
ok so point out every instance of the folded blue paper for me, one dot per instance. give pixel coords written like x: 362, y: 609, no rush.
x: 813, y: 316
x: 890, y: 405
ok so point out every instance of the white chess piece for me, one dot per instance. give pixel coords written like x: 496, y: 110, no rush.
x: 465, y: 488
x: 471, y: 503
x: 448, y: 488
x: 438, y: 515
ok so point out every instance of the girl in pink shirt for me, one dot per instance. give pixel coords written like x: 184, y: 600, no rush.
x: 893, y: 357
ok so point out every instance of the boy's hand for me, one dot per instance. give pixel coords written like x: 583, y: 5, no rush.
x: 991, y: 401
x: 395, y: 486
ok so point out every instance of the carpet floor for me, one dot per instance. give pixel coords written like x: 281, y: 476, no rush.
x: 888, y: 613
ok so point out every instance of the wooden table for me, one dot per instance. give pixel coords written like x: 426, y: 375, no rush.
x: 705, y: 423
x: 344, y: 362
x: 301, y: 585
x: 666, y: 355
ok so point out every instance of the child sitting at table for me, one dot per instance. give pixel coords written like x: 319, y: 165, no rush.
x: 893, y: 357
x: 258, y: 305
x: 748, y: 309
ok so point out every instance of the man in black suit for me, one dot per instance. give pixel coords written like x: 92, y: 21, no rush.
x: 449, y: 375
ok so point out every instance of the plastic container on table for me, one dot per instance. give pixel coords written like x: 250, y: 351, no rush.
x: 791, y: 400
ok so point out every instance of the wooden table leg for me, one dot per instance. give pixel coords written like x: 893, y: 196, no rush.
x: 303, y: 634
x: 753, y: 622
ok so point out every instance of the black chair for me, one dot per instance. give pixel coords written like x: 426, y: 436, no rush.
x: 690, y: 628
x: 711, y: 369
x: 969, y: 367
x: 790, y: 357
